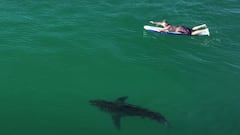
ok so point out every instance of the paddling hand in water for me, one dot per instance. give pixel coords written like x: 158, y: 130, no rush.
x: 201, y: 29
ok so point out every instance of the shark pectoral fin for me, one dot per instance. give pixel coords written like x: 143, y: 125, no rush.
x: 121, y: 99
x: 116, y: 120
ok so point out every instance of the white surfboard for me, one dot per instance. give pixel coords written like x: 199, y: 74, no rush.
x: 159, y: 30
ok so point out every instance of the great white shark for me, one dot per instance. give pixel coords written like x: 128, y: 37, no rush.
x: 119, y: 108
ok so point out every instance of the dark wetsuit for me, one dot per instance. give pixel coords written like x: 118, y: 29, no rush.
x: 185, y: 30
x: 181, y: 29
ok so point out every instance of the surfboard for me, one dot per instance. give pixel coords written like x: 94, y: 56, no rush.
x: 158, y: 30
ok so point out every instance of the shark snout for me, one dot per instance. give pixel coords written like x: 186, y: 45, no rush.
x: 92, y: 102
x: 95, y: 102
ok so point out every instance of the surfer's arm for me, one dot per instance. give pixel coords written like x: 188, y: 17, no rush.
x: 157, y: 23
x: 164, y: 29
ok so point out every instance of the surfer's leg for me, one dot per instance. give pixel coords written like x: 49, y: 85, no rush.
x: 199, y: 27
x: 199, y: 32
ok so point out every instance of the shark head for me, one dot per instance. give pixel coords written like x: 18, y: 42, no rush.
x: 96, y: 102
x: 102, y: 103
x: 113, y: 107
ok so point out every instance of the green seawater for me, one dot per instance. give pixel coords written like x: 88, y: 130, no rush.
x: 56, y: 55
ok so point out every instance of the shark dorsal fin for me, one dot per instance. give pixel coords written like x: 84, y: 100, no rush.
x: 121, y: 99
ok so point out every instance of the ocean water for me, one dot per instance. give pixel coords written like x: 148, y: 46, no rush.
x: 56, y: 55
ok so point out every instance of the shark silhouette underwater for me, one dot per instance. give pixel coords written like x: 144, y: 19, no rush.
x: 119, y: 108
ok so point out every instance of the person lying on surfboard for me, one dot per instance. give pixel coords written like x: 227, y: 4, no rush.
x: 182, y: 29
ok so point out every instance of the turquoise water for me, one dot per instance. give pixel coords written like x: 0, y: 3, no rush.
x: 57, y: 55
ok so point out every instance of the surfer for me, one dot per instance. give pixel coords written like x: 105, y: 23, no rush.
x: 201, y: 29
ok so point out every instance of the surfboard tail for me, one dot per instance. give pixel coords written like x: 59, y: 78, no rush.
x: 207, y: 33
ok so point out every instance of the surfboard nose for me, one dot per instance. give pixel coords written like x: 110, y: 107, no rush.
x: 147, y: 27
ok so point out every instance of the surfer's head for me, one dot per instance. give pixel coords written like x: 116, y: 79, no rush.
x: 164, y: 23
